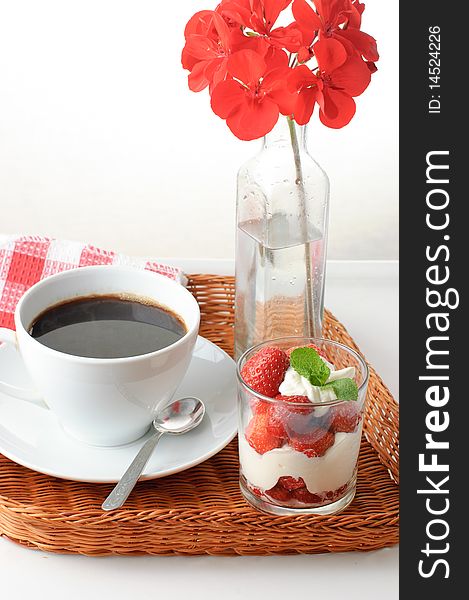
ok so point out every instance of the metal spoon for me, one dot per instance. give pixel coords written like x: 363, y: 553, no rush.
x: 178, y: 417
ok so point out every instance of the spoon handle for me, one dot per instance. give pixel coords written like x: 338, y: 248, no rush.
x: 129, y: 479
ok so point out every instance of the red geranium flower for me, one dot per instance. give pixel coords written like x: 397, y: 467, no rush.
x: 237, y: 52
x: 260, y: 16
x: 356, y: 14
x: 208, y: 45
x: 199, y: 24
x: 252, y: 100
x: 339, y: 78
x: 339, y: 19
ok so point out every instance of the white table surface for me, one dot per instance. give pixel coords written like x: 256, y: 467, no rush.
x: 364, y: 296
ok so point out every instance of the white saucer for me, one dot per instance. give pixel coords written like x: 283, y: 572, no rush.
x: 31, y: 435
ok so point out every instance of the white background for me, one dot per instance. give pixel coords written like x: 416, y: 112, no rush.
x: 101, y: 140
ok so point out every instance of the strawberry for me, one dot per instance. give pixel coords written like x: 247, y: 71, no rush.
x: 313, y: 346
x: 339, y: 492
x: 305, y: 496
x: 278, y: 493
x: 256, y: 491
x: 290, y: 483
x: 291, y: 417
x: 258, y: 406
x: 334, y: 495
x: 297, y: 400
x: 345, y: 417
x: 273, y: 421
x: 261, y: 436
x: 313, y: 443
x: 265, y: 371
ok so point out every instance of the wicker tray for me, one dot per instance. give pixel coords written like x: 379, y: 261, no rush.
x: 201, y: 511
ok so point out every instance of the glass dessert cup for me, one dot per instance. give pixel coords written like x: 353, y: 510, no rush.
x: 301, y: 457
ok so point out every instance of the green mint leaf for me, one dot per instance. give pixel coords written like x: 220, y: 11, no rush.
x: 344, y: 389
x: 308, y: 363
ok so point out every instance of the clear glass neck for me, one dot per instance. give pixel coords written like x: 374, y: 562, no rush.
x: 283, y: 134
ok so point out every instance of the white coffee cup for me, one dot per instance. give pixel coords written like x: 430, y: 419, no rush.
x: 102, y: 401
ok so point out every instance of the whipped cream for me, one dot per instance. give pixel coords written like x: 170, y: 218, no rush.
x: 295, y: 384
x: 328, y: 472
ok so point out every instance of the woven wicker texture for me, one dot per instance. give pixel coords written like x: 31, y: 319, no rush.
x: 201, y: 511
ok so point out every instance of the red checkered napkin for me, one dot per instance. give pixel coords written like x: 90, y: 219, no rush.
x: 24, y: 260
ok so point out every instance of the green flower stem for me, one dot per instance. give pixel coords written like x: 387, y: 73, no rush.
x: 309, y: 299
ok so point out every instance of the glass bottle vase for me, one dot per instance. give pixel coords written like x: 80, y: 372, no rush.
x: 281, y: 240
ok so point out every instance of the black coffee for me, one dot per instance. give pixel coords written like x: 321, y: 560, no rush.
x: 107, y: 327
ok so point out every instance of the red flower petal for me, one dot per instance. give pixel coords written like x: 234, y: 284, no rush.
x: 275, y: 58
x: 320, y: 99
x: 333, y: 11
x: 355, y: 19
x: 305, y: 105
x: 275, y: 85
x: 239, y: 12
x: 226, y: 98
x: 253, y: 119
x: 353, y: 77
x: 199, y: 23
x: 338, y: 110
x: 270, y: 10
x: 197, y: 79
x: 301, y: 77
x: 201, y: 47
x: 289, y: 37
x: 222, y: 30
x: 260, y: 15
x: 305, y: 16
x: 304, y: 54
x: 187, y: 60
x: 239, y: 41
x: 364, y: 43
x: 330, y: 54
x: 246, y: 66
x: 347, y: 44
x: 215, y: 71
